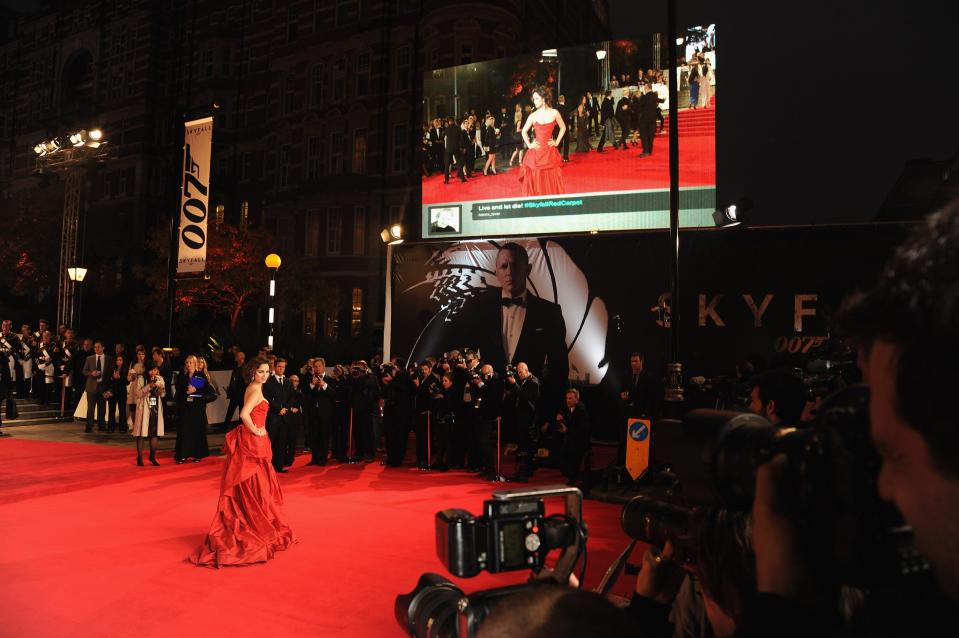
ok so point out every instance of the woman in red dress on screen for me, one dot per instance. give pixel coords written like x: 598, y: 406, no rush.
x: 249, y: 525
x: 542, y: 169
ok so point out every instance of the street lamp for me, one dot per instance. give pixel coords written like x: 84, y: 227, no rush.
x: 392, y: 235
x: 76, y: 274
x: 272, y: 261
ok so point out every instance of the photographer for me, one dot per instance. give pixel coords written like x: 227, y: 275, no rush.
x: 907, y: 329
x: 442, y: 420
x: 522, y: 392
x: 427, y: 384
x: 148, y: 418
x: 462, y: 413
x: 779, y: 396
x: 570, y: 435
x: 363, y: 397
x: 319, y: 411
x: 486, y: 392
x: 396, y: 398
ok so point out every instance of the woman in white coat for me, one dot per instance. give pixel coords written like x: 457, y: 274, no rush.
x: 148, y: 421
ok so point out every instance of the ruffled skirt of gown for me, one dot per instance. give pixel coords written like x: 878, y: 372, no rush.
x: 249, y: 526
x: 542, y: 172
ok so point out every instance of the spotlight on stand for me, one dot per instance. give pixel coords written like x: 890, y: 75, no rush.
x: 736, y: 214
x: 96, y: 135
x: 392, y: 235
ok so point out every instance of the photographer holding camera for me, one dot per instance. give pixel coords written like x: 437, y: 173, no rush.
x: 427, y: 384
x: 907, y: 329
x: 779, y: 396
x: 486, y: 392
x: 522, y: 391
x: 396, y: 397
x: 363, y: 398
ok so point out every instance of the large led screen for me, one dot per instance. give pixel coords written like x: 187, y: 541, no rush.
x: 569, y: 140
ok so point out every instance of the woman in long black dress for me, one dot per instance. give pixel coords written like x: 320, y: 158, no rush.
x: 191, y: 393
x: 490, y: 145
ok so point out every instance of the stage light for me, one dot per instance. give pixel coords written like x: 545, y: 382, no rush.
x: 77, y: 274
x: 79, y: 138
x: 392, y: 235
x: 736, y: 214
x: 96, y: 135
x: 680, y: 40
x: 549, y: 53
x: 601, y: 54
x: 40, y: 149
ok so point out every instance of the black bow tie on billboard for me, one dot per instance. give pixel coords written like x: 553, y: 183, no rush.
x: 513, y: 301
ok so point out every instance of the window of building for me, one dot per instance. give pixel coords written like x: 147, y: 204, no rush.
x: 244, y: 213
x: 317, y: 86
x: 356, y: 313
x: 347, y: 12
x: 324, y: 15
x: 122, y: 184
x: 313, y: 167
x: 363, y: 75
x: 333, y: 231
x: 359, y: 151
x: 400, y: 148
x: 220, y: 213
x: 359, y: 230
x: 403, y: 61
x: 246, y: 167
x: 309, y: 321
x: 336, y: 153
x: 285, y: 161
x: 226, y: 62
x: 311, y: 247
x: 339, y: 80
x: 332, y: 324
x: 208, y: 64
x: 291, y: 22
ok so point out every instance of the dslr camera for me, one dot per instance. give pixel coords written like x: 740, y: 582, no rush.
x: 710, y: 458
x: 512, y: 533
x: 510, y: 371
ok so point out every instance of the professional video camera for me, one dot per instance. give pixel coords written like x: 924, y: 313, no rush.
x: 513, y: 533
x: 831, y: 478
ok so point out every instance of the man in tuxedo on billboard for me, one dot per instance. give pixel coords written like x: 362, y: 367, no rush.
x: 452, y: 140
x: 509, y: 325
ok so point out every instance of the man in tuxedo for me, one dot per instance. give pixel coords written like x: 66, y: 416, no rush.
x: 522, y: 391
x: 98, y: 370
x: 466, y: 148
x: 452, y: 139
x: 638, y: 392
x: 236, y: 389
x: 319, y: 416
x: 435, y: 137
x: 606, y: 114
x: 592, y: 108
x: 648, y: 110
x: 486, y: 392
x: 509, y: 325
x: 277, y: 391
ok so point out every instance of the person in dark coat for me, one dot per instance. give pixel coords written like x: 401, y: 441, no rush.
x: 276, y: 390
x: 192, y: 394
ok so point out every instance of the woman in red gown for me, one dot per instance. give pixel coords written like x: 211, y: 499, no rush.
x: 249, y: 525
x: 542, y: 169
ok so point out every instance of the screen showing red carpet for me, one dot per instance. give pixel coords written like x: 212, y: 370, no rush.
x: 569, y: 140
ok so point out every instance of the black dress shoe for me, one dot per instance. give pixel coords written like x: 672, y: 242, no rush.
x: 196, y: 460
x: 179, y: 461
x: 153, y: 461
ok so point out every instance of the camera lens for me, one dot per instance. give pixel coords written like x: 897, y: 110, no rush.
x: 430, y: 609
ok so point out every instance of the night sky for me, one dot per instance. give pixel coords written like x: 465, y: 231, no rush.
x: 819, y: 104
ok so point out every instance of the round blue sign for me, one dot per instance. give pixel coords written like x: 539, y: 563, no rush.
x: 638, y: 431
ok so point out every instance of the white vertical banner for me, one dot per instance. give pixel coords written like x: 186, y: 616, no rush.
x: 194, y: 196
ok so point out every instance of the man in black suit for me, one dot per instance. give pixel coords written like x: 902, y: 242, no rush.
x: 606, y: 114
x: 452, y: 139
x: 509, y: 325
x: 486, y: 397
x: 435, y: 137
x: 522, y: 391
x: 648, y: 109
x: 638, y: 393
x: 98, y: 370
x: 277, y: 391
x: 236, y: 390
x: 78, y: 378
x: 319, y: 395
x: 592, y: 108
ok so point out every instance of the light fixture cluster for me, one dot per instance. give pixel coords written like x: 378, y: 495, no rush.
x: 392, y: 235
x: 82, y: 138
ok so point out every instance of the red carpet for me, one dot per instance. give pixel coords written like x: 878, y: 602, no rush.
x: 610, y: 171
x: 95, y: 546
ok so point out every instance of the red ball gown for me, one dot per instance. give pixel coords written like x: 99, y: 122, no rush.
x: 542, y: 170
x: 249, y: 525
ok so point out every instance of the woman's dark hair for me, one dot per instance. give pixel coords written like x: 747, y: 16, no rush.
x: 544, y: 92
x: 249, y: 370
